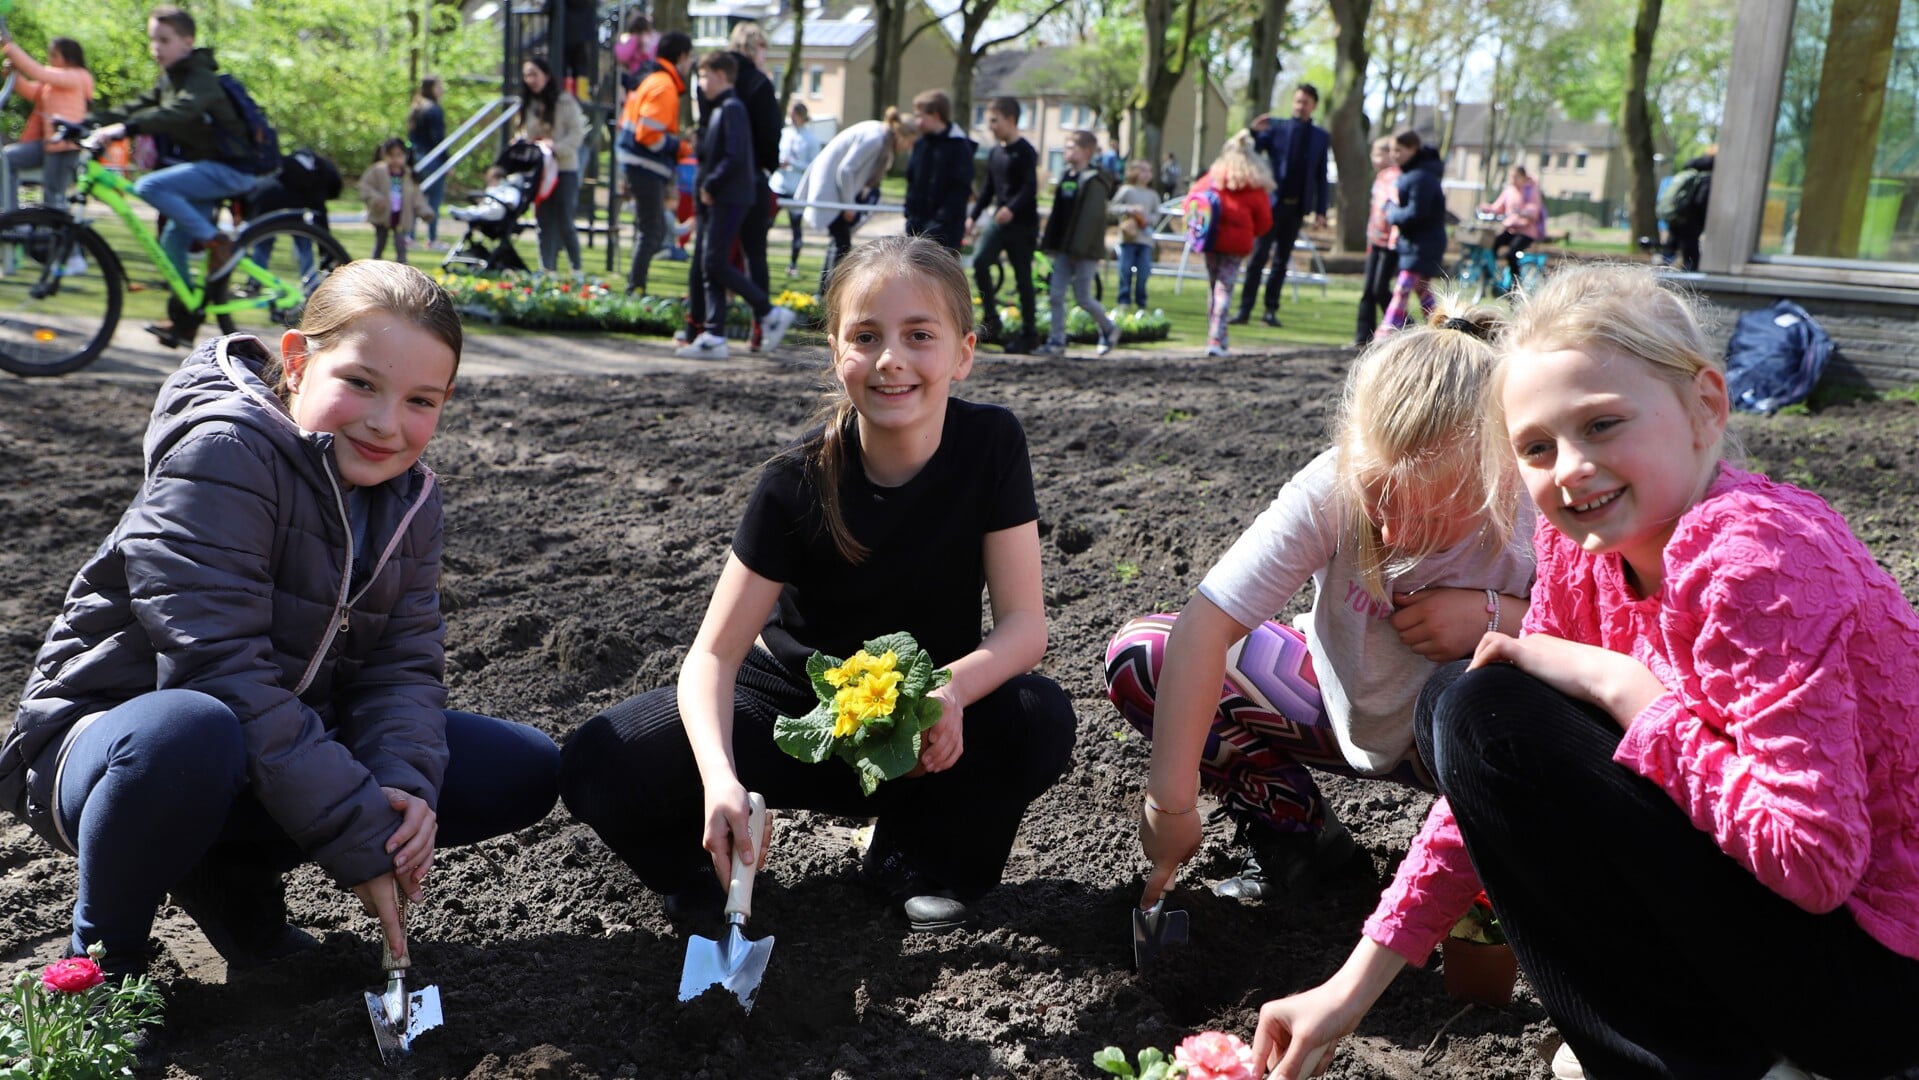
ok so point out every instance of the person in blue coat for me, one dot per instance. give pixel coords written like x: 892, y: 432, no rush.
x: 1419, y: 212
x: 248, y: 673
x: 1297, y: 152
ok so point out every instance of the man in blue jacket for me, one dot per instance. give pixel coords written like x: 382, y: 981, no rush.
x: 1297, y: 151
x: 939, y: 176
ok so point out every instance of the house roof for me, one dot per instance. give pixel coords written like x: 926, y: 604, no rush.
x: 1017, y: 72
x: 820, y: 34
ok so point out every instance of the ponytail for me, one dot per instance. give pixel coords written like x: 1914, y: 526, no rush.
x: 825, y: 458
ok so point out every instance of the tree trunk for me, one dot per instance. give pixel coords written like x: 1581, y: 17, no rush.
x: 964, y: 61
x: 1268, y: 25
x: 1845, y: 126
x: 671, y: 15
x: 790, y: 85
x: 1347, y: 124
x: 889, y: 28
x: 1163, y: 64
x: 1642, y: 187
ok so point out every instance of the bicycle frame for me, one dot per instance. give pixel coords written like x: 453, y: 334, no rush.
x: 116, y: 192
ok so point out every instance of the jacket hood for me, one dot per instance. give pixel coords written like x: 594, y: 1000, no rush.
x: 1426, y: 160
x: 1703, y: 163
x: 199, y: 58
x: 224, y: 381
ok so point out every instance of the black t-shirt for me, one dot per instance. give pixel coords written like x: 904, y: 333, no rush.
x: 925, y: 565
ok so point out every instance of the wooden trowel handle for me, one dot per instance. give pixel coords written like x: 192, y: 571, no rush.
x: 739, y: 896
x: 387, y: 960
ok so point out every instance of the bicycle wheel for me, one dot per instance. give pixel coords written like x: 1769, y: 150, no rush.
x: 268, y: 288
x: 1471, y: 277
x: 60, y: 293
x: 1532, y: 273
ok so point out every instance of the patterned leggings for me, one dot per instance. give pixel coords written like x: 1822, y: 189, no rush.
x: 1223, y: 270
x: 1404, y: 288
x: 1270, y: 725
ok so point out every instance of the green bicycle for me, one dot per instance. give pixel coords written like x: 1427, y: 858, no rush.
x: 62, y: 285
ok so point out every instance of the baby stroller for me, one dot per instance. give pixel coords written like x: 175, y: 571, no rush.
x: 526, y: 175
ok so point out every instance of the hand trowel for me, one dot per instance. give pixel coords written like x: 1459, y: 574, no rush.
x: 399, y: 1016
x: 1154, y: 927
x: 733, y: 961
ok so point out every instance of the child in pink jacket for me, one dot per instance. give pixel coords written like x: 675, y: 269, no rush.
x: 1522, y: 213
x: 60, y: 90
x: 1691, y: 787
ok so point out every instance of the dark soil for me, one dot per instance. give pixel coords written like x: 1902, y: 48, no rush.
x: 587, y: 521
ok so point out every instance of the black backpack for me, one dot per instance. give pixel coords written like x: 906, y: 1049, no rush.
x: 259, y: 152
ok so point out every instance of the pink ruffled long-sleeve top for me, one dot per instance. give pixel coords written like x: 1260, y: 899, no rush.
x: 1789, y: 729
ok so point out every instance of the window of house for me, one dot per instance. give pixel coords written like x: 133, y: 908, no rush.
x: 1505, y: 158
x: 979, y: 116
x: 1056, y: 161
x: 779, y: 77
x: 1579, y: 161
x: 814, y: 79
x: 1564, y: 157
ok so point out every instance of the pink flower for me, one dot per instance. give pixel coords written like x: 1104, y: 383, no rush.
x: 72, y: 975
x: 1215, y: 1055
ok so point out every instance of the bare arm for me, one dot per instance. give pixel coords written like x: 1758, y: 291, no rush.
x: 741, y: 602
x: 1296, y: 1033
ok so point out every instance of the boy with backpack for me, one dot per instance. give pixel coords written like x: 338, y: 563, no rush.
x: 1075, y: 239
x: 1682, y: 206
x: 219, y: 135
x: 1227, y: 211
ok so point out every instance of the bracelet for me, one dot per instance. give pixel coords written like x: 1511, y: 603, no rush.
x: 1492, y: 611
x: 1158, y: 809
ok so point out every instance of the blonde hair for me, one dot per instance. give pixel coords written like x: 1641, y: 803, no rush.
x: 1621, y: 308
x: 748, y: 38
x: 1409, y: 434
x: 369, y: 286
x: 865, y: 267
x: 1240, y: 165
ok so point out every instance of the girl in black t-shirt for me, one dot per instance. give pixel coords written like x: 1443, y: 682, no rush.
x: 891, y: 515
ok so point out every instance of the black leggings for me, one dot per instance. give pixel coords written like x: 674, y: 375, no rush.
x: 793, y: 218
x: 630, y: 774
x: 1514, y: 243
x: 1655, y: 953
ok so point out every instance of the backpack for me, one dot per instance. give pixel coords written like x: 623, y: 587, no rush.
x: 260, y: 152
x: 1202, y: 211
x: 1774, y: 357
x: 1685, y: 196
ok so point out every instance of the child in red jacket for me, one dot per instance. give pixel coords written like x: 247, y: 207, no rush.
x: 1244, y: 183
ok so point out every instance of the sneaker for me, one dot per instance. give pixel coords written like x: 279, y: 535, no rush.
x: 682, y: 336
x: 1271, y: 319
x: 1214, y: 348
x: 792, y: 271
x: 1240, y: 319
x: 169, y: 336
x: 1288, y: 862
x: 705, y: 347
x: 1051, y: 349
x: 1566, y: 1066
x: 1019, y: 345
x: 1105, y: 345
x: 774, y: 327
x: 936, y: 912
x: 242, y: 910
x: 76, y: 264
x: 929, y: 909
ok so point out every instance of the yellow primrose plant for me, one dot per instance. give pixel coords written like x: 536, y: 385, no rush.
x: 872, y: 707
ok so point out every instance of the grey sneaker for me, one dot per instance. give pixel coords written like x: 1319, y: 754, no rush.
x: 707, y: 346
x: 773, y: 328
x: 1105, y: 345
x: 1215, y: 349
x: 1051, y: 349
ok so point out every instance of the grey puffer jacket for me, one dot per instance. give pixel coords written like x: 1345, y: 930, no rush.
x: 233, y: 573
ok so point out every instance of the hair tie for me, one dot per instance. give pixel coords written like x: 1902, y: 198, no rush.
x: 1465, y: 326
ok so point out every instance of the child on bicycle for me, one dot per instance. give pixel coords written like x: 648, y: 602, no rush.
x: 1522, y: 217
x: 189, y: 110
x: 889, y: 516
x: 393, y: 198
x: 59, y: 90
x: 1409, y: 565
x: 1710, y: 722
x: 247, y: 675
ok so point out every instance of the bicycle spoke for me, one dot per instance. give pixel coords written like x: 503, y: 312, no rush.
x: 58, y: 300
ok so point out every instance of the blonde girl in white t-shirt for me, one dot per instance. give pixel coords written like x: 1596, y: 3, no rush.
x: 1411, y: 564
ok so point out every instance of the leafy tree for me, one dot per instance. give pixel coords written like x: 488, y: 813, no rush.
x: 1102, y: 73
x: 1346, y: 122
x: 1636, y: 124
x: 1168, y: 50
x: 974, y: 15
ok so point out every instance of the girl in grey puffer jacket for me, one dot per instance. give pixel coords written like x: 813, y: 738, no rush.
x: 248, y: 673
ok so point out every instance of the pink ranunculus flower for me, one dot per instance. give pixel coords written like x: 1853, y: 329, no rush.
x: 72, y: 975
x: 1215, y: 1055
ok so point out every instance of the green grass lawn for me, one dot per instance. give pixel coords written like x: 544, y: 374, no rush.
x: 1312, y: 319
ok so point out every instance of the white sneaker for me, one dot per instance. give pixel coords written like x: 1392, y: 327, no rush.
x: 1566, y: 1066
x: 1105, y: 345
x: 774, y: 326
x: 705, y: 347
x: 76, y: 264
x: 1215, y: 349
x: 681, y: 337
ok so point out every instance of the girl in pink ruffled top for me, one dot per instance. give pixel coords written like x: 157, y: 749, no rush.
x: 1691, y: 787
x: 1522, y: 220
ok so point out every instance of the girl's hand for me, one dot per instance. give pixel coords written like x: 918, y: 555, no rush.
x: 942, y: 744
x: 706, y: 198
x: 1441, y: 624
x: 1167, y: 840
x: 848, y: 215
x: 727, y: 817
x: 411, y: 845
x: 1613, y: 681
x: 380, y: 897
x: 1297, y: 1035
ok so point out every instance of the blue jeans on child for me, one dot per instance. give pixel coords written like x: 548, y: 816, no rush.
x: 1135, y: 265
x: 188, y: 195
x: 150, y: 787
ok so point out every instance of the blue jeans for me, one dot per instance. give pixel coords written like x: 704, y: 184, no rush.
x: 302, y: 250
x: 154, y: 785
x: 1135, y: 265
x: 188, y: 195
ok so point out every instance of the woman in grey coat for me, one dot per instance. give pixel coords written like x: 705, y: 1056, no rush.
x: 248, y: 673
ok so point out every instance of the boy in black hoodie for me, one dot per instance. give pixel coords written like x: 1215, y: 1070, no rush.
x: 727, y: 182
x: 939, y: 176
x: 1011, y: 197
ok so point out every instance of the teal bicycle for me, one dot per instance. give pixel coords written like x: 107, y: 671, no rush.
x: 1480, y: 270
x: 62, y: 286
